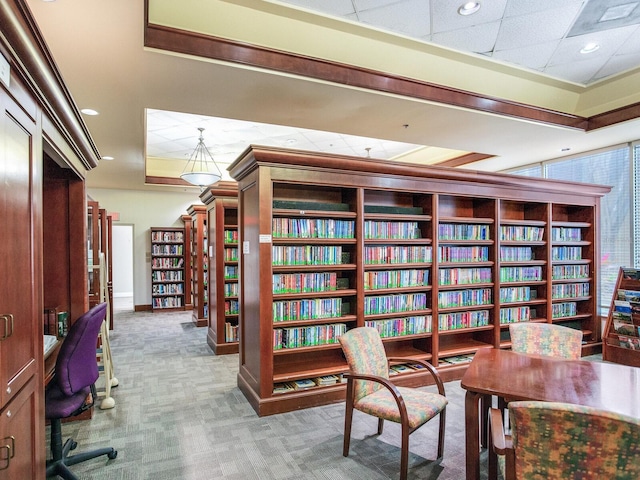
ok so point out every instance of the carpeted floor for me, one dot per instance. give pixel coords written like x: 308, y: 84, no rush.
x: 180, y: 415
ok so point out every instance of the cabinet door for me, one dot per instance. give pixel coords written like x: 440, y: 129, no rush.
x: 17, y: 436
x: 17, y: 258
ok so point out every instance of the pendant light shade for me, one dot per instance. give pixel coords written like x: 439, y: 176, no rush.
x: 201, y: 169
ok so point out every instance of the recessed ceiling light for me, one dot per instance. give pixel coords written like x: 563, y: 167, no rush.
x: 89, y: 111
x: 469, y: 8
x: 106, y: 157
x: 590, y: 47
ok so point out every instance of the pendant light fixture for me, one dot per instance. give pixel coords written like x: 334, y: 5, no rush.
x: 201, y: 169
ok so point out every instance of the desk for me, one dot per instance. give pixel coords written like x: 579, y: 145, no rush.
x: 516, y: 376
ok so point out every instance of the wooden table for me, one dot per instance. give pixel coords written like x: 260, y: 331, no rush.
x: 503, y: 373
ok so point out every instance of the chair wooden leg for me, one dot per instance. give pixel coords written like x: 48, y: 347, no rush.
x: 404, y: 453
x: 348, y: 415
x: 492, y: 457
x: 443, y: 422
x: 380, y: 425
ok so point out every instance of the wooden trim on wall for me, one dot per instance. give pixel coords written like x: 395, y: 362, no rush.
x: 612, y: 117
x: 464, y: 159
x: 197, y: 44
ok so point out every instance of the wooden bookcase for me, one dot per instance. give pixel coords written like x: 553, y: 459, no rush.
x: 621, y: 338
x: 438, y: 259
x: 167, y: 268
x: 222, y: 220
x: 199, y: 264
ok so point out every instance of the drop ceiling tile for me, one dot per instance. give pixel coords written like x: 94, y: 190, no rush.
x: 534, y: 28
x: 362, y: 5
x: 477, y: 38
x: 524, y: 7
x: 410, y: 18
x: 610, y: 41
x: 631, y: 45
x: 579, y: 72
x: 619, y: 63
x: 535, y: 57
x: 446, y: 16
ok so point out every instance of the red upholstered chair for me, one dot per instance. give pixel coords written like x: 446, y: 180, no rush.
x: 370, y: 391
x: 558, y: 440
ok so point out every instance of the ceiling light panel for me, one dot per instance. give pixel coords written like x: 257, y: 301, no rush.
x: 589, y: 20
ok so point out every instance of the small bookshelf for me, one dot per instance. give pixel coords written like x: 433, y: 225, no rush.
x: 167, y: 268
x: 199, y: 265
x: 621, y: 338
x: 223, y: 260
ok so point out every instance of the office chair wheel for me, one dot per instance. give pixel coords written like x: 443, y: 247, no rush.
x: 113, y: 454
x: 73, y: 445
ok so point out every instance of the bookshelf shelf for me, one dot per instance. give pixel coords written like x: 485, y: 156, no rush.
x: 404, y: 222
x: 167, y: 268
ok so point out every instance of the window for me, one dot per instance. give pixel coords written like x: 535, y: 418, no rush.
x: 609, y: 167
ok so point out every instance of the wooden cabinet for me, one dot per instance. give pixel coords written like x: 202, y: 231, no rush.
x: 222, y: 221
x: 438, y: 260
x: 199, y: 264
x: 621, y: 337
x: 167, y: 268
x: 20, y: 300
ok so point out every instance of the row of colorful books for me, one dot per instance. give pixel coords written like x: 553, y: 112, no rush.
x: 167, y: 289
x: 570, y: 290
x: 464, y: 276
x: 460, y: 254
x: 305, y: 383
x: 307, y: 255
x: 521, y: 274
x: 392, y: 230
x: 168, y: 237
x: 307, y: 309
x: 166, y: 249
x: 167, y: 262
x: 305, y: 282
x: 563, y: 272
x: 404, y: 302
x: 458, y: 320
x: 230, y: 236
x: 398, y: 327
x: 312, y: 228
x: 515, y: 294
x: 464, y: 298
x: 566, y: 253
x: 515, y: 314
x: 297, y: 337
x: 383, y: 254
x: 521, y: 233
x: 167, y: 276
x: 376, y: 279
x: 516, y: 254
x: 566, y: 234
x: 463, y: 231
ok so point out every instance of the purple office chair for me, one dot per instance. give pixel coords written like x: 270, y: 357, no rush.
x: 72, y: 390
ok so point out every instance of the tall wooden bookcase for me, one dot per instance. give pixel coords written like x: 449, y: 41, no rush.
x: 199, y: 264
x: 439, y: 260
x: 222, y: 220
x: 167, y: 268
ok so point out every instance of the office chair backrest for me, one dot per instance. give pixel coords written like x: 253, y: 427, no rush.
x: 560, y: 440
x: 365, y: 355
x: 546, y: 339
x: 76, y: 366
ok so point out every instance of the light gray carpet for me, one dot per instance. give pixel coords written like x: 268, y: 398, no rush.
x: 180, y: 415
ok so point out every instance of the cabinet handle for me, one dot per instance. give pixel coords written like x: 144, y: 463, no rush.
x: 8, y: 326
x: 11, y: 451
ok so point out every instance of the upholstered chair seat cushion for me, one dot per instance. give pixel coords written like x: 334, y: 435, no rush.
x: 421, y: 406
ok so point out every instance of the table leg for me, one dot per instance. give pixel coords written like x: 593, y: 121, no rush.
x: 472, y: 434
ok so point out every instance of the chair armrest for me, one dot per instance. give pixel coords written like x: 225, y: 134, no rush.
x: 402, y: 408
x: 498, y: 438
x: 430, y: 368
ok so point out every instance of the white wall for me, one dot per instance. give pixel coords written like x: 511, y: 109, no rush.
x: 144, y: 210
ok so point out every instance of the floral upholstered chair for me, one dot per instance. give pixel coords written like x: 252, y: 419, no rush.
x: 370, y: 391
x: 562, y: 441
x: 546, y: 339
